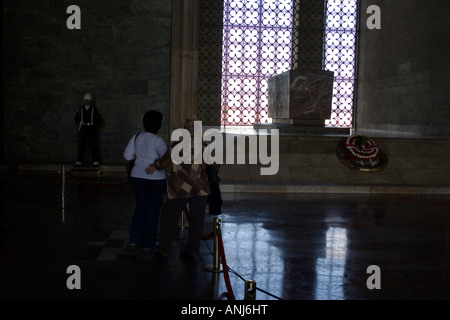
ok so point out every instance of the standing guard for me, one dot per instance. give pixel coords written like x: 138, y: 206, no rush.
x: 88, y: 119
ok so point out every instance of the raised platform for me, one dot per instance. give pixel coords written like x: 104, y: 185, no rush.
x: 309, y: 164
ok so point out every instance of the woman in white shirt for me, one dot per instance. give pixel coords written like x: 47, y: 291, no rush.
x: 145, y: 147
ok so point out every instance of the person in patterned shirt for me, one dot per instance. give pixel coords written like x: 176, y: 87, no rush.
x: 188, y: 184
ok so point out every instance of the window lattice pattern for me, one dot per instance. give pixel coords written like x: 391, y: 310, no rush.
x: 263, y: 38
x: 340, y: 57
x: 257, y: 44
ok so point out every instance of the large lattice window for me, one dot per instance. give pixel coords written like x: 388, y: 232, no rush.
x: 340, y: 57
x: 263, y: 38
x: 257, y: 44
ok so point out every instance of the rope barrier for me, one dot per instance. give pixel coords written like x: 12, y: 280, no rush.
x: 225, y: 269
x: 37, y: 185
x: 259, y: 289
x: 250, y: 285
x: 208, y: 236
x: 215, y: 266
x: 216, y: 234
x: 250, y: 290
x: 73, y: 176
x: 97, y: 184
x: 63, y: 183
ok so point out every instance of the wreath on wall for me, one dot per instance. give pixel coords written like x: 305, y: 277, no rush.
x: 361, y: 153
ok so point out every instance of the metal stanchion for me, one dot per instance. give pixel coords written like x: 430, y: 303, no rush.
x: 183, y: 223
x: 63, y: 191
x: 250, y: 290
x: 216, y: 266
x: 63, y: 183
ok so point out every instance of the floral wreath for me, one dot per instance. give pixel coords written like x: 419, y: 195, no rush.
x: 361, y: 153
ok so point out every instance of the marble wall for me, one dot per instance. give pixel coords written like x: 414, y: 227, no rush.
x: 121, y: 55
x: 404, y: 73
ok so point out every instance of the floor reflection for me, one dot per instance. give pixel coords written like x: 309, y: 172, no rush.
x: 330, y: 270
x: 249, y: 253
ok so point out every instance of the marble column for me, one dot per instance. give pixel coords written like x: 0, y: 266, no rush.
x: 184, y: 74
x: 309, y: 28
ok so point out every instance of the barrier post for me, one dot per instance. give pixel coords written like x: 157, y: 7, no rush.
x: 250, y: 290
x: 63, y: 186
x: 216, y: 266
x: 183, y: 224
x: 63, y: 194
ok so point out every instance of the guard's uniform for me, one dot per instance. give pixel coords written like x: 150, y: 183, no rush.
x: 88, y: 120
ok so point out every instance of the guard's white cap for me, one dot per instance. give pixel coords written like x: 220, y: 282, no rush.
x: 87, y: 96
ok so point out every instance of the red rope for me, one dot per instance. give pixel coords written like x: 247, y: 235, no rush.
x: 38, y: 185
x: 225, y: 269
x: 97, y: 184
x: 230, y: 294
x: 208, y: 236
x: 226, y: 276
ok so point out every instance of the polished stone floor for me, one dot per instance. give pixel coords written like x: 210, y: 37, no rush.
x: 294, y: 246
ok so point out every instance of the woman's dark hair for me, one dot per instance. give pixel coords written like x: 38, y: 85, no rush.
x: 152, y: 121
